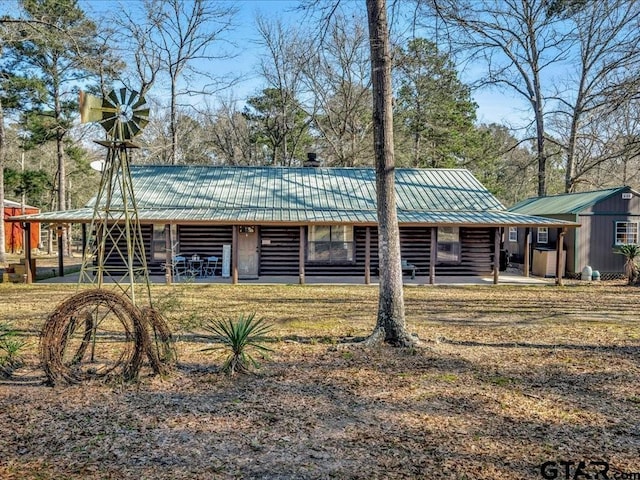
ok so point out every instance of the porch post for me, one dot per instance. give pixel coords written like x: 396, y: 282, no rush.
x: 234, y: 255
x: 433, y: 250
x: 301, y: 248
x: 168, y: 255
x: 527, y: 251
x: 83, y: 228
x: 367, y: 256
x: 59, y: 231
x: 496, y: 255
x: 559, y: 250
x: 27, y: 254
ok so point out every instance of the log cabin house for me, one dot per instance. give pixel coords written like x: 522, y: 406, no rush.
x: 313, y: 221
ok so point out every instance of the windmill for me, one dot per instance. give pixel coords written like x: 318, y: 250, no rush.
x: 97, y: 332
x: 116, y: 246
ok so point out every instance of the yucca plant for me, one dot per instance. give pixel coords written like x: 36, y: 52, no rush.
x: 630, y: 251
x: 10, y: 347
x: 243, y: 337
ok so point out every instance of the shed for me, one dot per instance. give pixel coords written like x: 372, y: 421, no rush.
x: 607, y: 218
x: 280, y: 221
x: 14, y: 231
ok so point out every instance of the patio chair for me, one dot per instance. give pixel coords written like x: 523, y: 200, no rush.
x: 179, y: 267
x: 211, y: 263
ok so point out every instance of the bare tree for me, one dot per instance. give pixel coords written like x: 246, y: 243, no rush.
x: 516, y: 41
x: 174, y: 38
x: 606, y: 66
x: 280, y: 103
x: 338, y: 79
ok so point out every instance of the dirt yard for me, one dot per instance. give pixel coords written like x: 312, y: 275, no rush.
x: 507, y: 378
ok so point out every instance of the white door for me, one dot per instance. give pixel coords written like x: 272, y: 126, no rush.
x: 248, y: 255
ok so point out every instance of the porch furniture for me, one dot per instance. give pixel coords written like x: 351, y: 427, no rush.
x: 195, y: 266
x: 209, y: 269
x: 178, y: 267
x: 409, y: 268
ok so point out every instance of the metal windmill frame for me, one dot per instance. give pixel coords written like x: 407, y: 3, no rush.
x: 115, y: 250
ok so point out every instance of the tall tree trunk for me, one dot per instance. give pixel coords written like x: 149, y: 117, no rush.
x: 391, y: 315
x: 174, y: 121
x: 62, y: 171
x: 3, y: 154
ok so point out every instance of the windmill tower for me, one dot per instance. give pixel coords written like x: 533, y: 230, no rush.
x: 98, y: 333
x: 115, y: 248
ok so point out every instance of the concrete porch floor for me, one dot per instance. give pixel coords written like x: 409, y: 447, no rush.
x: 506, y: 278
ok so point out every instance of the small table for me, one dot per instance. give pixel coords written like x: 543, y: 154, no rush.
x: 195, y: 266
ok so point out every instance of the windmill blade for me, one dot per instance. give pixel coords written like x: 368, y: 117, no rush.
x: 133, y: 95
x: 112, y: 99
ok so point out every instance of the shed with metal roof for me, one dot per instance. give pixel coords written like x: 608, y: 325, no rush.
x: 608, y: 218
x: 314, y: 221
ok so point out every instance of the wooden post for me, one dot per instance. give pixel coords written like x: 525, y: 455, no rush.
x: 527, y: 251
x: 301, y: 248
x: 27, y: 254
x: 433, y: 251
x: 559, y: 250
x: 168, y: 255
x: 367, y: 256
x: 84, y: 239
x: 60, y: 233
x: 234, y: 256
x: 496, y: 255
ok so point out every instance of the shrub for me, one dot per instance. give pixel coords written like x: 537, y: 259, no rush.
x: 10, y: 348
x: 242, y: 337
x: 630, y: 251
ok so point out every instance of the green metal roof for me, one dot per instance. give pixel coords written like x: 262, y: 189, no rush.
x: 568, y: 203
x: 200, y: 194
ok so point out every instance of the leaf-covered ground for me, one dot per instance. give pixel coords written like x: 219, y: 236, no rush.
x: 507, y: 378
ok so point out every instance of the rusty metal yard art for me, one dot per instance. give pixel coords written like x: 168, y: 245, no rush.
x: 103, y: 333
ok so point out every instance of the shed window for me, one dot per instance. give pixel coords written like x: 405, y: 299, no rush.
x: 448, y: 245
x: 513, y: 234
x: 543, y: 235
x: 331, y: 244
x: 626, y: 232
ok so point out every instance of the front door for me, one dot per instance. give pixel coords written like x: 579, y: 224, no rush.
x: 248, y: 255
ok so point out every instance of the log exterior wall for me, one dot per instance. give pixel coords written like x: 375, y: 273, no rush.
x: 279, y: 250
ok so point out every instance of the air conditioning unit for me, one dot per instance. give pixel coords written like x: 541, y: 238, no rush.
x: 627, y: 196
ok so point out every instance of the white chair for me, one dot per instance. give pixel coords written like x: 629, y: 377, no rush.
x: 210, y: 266
x: 179, y: 267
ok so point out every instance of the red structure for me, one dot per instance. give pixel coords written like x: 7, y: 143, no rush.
x: 13, y: 231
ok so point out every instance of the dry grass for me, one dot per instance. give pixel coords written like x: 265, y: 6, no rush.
x: 508, y: 378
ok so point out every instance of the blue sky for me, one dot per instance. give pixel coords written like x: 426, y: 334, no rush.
x: 493, y: 106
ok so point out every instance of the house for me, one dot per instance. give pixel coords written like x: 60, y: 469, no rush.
x: 277, y: 221
x: 607, y: 218
x: 14, y: 231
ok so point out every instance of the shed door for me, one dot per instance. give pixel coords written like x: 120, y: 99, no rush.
x: 248, y: 254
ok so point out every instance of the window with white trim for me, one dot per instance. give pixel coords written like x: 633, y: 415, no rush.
x: 331, y: 244
x: 513, y: 234
x: 448, y: 245
x: 543, y: 235
x: 626, y: 233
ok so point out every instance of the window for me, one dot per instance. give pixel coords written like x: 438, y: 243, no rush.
x: 513, y: 234
x: 543, y: 235
x: 331, y: 244
x: 626, y: 232
x: 448, y: 245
